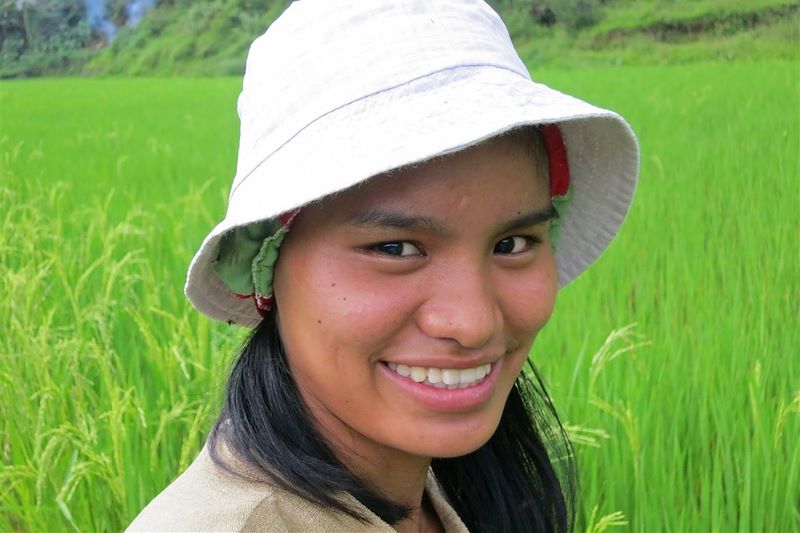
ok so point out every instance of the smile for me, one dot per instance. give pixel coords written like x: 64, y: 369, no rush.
x: 443, y: 378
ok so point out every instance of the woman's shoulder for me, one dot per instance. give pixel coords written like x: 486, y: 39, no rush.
x: 205, y: 497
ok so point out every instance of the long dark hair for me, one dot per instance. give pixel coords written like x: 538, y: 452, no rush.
x: 522, y: 479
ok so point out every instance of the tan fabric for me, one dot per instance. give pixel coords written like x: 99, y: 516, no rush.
x: 206, y: 498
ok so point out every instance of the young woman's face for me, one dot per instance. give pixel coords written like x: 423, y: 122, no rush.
x: 396, y: 297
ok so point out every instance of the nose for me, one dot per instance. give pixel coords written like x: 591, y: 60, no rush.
x: 462, y: 306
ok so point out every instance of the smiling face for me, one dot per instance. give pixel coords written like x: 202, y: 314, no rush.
x: 407, y: 306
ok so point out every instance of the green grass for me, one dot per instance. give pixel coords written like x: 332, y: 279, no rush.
x: 686, y: 420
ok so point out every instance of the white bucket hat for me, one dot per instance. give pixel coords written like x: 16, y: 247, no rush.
x: 338, y: 91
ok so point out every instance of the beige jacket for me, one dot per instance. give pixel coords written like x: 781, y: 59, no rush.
x: 206, y: 498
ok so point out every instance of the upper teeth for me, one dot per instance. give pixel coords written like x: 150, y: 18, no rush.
x: 452, y: 378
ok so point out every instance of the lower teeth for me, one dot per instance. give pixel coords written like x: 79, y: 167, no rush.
x: 442, y: 385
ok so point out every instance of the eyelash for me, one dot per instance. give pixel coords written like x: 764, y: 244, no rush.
x: 384, y: 247
x: 529, y: 242
x: 377, y: 248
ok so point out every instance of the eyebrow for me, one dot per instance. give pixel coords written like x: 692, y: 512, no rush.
x: 532, y: 218
x: 391, y: 219
x: 377, y: 218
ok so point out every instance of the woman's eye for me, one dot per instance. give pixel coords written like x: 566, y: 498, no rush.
x: 514, y: 245
x: 397, y: 249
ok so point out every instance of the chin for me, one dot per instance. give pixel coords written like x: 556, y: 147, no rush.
x: 448, y: 442
x: 457, y: 448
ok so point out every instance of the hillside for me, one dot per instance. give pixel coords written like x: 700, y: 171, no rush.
x: 667, y: 32
x: 210, y: 37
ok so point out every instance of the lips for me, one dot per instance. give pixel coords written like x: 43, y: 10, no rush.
x: 450, y: 378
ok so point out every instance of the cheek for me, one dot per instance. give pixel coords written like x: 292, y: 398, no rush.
x: 528, y: 296
x: 327, y: 301
x: 335, y: 320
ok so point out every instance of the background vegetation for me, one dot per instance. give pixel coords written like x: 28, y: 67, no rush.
x: 211, y: 37
x: 673, y: 360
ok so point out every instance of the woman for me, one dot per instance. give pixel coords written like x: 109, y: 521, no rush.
x: 406, y: 203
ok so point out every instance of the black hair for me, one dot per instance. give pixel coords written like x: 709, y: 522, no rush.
x: 522, y: 479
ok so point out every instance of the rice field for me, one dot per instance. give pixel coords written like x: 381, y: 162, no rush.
x: 674, y: 361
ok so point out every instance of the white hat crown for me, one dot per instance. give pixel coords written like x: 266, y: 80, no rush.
x: 287, y: 87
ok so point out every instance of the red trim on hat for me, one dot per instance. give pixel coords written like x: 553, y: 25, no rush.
x: 557, y: 155
x: 263, y: 304
x: 287, y: 218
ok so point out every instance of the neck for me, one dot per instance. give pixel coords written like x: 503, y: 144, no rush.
x: 399, y: 476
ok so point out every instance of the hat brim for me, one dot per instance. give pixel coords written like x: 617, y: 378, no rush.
x: 440, y: 113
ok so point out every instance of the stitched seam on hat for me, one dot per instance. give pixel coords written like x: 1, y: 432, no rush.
x: 387, y: 89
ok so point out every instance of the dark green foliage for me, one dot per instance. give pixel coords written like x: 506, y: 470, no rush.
x: 577, y: 14
x: 42, y: 38
x: 573, y: 15
x: 115, y: 10
x: 189, y: 38
x: 179, y: 36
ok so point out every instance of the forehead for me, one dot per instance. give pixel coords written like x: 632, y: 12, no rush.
x: 503, y: 174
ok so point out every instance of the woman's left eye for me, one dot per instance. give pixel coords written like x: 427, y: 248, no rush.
x: 514, y: 245
x: 397, y: 249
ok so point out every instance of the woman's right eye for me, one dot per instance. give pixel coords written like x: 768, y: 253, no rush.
x: 397, y: 249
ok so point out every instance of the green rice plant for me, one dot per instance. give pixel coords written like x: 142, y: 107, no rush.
x: 706, y: 266
x: 686, y: 421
